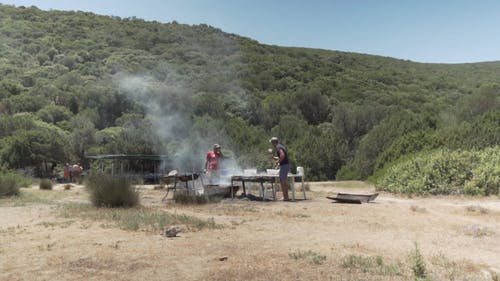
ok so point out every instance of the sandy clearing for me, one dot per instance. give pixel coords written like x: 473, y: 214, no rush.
x: 257, y: 240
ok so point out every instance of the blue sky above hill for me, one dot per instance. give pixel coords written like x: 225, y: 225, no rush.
x: 437, y: 31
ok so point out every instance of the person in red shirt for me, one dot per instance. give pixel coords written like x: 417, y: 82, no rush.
x: 67, y: 176
x: 212, y: 164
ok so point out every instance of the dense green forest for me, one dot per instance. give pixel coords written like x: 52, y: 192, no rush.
x: 76, y: 83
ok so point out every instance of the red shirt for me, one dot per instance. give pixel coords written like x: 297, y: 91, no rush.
x: 213, y: 160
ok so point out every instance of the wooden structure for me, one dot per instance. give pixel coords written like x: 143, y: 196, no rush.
x: 151, y: 167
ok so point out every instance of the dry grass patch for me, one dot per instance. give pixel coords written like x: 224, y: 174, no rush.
x: 476, y: 209
x: 105, y: 268
x: 454, y: 270
x: 476, y: 230
x: 312, y: 265
x: 136, y: 219
x: 314, y: 257
x: 417, y: 209
x: 291, y: 214
x: 52, y: 224
x: 267, y: 266
x: 32, y: 196
x: 372, y: 265
x: 306, y: 265
x: 232, y: 210
x: 305, y: 240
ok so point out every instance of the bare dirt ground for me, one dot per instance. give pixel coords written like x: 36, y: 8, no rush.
x: 316, y: 239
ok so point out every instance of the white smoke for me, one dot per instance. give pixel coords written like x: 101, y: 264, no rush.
x: 172, y: 121
x: 168, y: 95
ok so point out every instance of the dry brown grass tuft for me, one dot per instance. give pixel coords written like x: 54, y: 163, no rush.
x: 477, y: 209
x: 418, y: 209
x: 476, y: 230
x: 300, y: 265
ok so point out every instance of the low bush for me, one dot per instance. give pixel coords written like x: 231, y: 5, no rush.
x: 46, y: 184
x: 410, y: 143
x: 10, y: 183
x: 108, y: 191
x: 445, y: 172
x: 486, y: 176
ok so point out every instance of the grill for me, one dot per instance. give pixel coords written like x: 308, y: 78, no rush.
x: 208, y: 189
x: 186, y: 177
x: 174, y: 174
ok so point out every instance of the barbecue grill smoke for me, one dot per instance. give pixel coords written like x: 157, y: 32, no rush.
x: 170, y: 91
x: 168, y: 106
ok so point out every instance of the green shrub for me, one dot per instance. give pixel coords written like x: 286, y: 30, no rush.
x: 482, y: 132
x: 486, y: 176
x: 108, y: 191
x: 382, y: 136
x: 445, y: 172
x: 412, y: 142
x: 46, y: 184
x: 10, y: 183
x: 348, y: 172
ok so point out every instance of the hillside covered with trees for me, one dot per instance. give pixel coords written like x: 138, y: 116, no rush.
x: 76, y: 83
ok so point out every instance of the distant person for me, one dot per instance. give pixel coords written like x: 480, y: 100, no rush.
x: 67, y: 175
x: 77, y: 172
x: 281, y: 160
x: 212, y: 164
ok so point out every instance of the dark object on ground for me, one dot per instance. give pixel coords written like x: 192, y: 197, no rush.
x: 172, y: 231
x: 252, y: 197
x: 353, y: 198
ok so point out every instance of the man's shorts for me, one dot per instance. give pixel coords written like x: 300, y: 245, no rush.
x: 284, y: 169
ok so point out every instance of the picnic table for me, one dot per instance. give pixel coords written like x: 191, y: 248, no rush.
x: 268, y: 178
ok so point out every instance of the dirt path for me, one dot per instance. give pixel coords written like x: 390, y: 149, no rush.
x: 458, y: 238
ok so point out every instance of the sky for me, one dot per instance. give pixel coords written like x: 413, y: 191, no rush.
x: 435, y: 31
